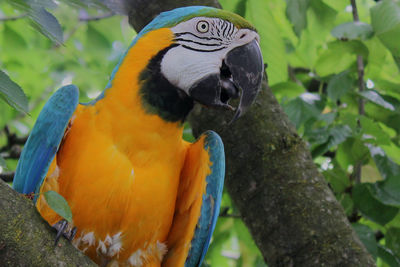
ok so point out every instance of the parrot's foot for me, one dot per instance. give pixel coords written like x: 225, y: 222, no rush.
x: 63, y: 228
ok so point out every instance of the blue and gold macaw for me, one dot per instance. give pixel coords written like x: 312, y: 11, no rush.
x: 139, y: 194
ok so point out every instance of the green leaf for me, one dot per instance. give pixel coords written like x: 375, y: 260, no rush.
x: 371, y: 207
x: 230, y: 4
x: 367, y: 237
x: 12, y: 40
x: 240, y: 7
x: 19, y: 4
x: 373, y: 133
x: 58, y: 204
x: 380, y: 114
x: 3, y: 163
x: 296, y: 12
x: 337, y: 5
x: 42, y: 3
x: 12, y: 93
x: 376, y: 98
x: 272, y: 44
x: 388, y: 256
x: 97, y: 4
x: 287, y: 89
x: 353, y: 30
x: 46, y: 23
x: 386, y: 166
x: 336, y: 136
x: 397, y: 60
x: 329, y: 117
x: 318, y: 136
x: 97, y: 40
x: 347, y: 202
x: 395, y: 222
x: 337, y: 178
x: 329, y: 62
x: 387, y: 192
x: 325, y: 15
x: 385, y: 19
x: 392, y: 239
x: 350, y: 152
x: 42, y: 20
x: 303, y: 108
x: 339, y: 85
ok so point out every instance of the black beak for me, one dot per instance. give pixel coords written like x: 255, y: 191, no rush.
x: 246, y: 65
x: 240, y: 74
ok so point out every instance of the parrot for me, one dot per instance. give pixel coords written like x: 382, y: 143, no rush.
x: 139, y: 194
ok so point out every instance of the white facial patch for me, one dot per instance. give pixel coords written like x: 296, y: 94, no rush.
x: 202, y: 46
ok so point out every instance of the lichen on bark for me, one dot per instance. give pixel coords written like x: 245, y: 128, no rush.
x: 27, y: 240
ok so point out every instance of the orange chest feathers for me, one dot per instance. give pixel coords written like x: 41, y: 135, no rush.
x: 119, y: 168
x: 121, y: 186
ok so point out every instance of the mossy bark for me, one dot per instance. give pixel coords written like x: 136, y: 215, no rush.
x: 141, y: 12
x: 27, y: 240
x: 292, y: 214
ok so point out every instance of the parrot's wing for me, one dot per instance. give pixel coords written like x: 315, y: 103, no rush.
x: 44, y: 140
x: 198, y: 202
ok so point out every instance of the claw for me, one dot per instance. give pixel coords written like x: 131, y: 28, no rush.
x: 62, y: 229
x: 72, y: 234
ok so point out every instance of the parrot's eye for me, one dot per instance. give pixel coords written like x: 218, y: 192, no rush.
x: 202, y: 26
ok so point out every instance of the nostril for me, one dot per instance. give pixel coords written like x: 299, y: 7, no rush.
x: 242, y: 36
x: 224, y: 71
x: 224, y: 97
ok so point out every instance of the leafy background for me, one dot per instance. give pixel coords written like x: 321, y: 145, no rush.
x: 313, y: 50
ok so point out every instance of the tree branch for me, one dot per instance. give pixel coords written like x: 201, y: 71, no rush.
x: 12, y: 139
x: 27, y: 240
x: 354, y: 10
x: 141, y: 12
x: 361, y: 88
x: 12, y: 149
x: 292, y: 75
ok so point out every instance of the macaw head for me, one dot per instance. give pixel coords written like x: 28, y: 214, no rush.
x: 214, y: 56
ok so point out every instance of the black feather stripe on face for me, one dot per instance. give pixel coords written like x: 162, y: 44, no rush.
x: 159, y: 96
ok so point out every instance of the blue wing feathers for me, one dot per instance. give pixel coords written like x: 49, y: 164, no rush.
x: 44, y: 140
x: 211, y: 201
